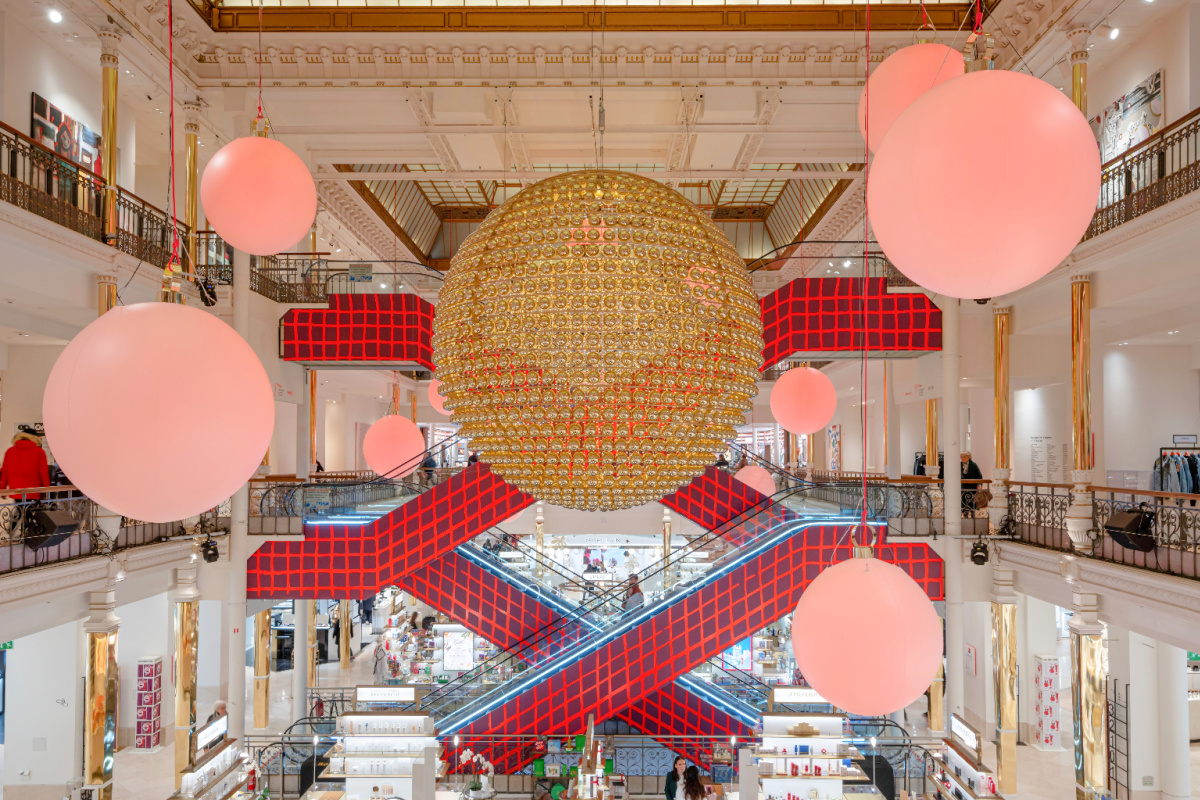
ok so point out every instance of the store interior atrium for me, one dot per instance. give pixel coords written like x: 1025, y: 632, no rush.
x: 608, y: 400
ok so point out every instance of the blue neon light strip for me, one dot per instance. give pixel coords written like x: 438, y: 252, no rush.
x: 519, y: 686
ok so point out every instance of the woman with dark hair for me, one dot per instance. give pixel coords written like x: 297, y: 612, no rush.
x: 413, y: 622
x: 690, y: 788
x: 675, y: 776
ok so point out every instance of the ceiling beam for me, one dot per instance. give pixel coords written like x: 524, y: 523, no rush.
x: 660, y: 174
x: 609, y: 129
x: 375, y: 205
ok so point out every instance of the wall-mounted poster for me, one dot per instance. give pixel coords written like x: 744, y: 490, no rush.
x: 835, y: 447
x: 740, y: 656
x: 1131, y: 119
x: 458, y: 650
x: 67, y: 137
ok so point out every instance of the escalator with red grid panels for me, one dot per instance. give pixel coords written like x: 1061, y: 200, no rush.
x: 612, y: 670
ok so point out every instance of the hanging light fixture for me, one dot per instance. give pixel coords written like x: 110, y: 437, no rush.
x: 598, y: 338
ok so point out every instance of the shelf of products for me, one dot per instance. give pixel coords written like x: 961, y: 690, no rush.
x: 148, y: 733
x: 805, y: 756
x: 959, y: 771
x: 384, y: 754
x: 219, y: 770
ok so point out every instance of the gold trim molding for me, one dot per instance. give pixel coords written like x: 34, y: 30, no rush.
x: 577, y: 18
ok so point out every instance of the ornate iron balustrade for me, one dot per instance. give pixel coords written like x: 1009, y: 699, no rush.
x: 52, y: 186
x: 1149, y: 175
x: 213, y: 259
x: 1175, y: 527
x: 1039, y: 511
x: 144, y: 232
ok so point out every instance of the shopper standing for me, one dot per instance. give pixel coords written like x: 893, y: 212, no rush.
x: 675, y: 776
x: 970, y: 472
x: 634, y: 599
x: 690, y: 788
x: 25, y: 464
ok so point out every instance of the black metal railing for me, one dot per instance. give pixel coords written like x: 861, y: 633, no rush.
x: 54, y: 187
x: 1039, y: 513
x: 1174, y: 526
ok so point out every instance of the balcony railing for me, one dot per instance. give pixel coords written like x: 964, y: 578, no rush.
x: 1149, y: 175
x: 54, y: 187
x: 25, y: 544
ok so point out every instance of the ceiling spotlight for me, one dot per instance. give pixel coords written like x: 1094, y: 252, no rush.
x: 1172, y: 333
x: 1114, y: 33
x: 383, y: 286
x: 208, y: 549
x: 1104, y: 29
x: 846, y: 263
x: 55, y: 15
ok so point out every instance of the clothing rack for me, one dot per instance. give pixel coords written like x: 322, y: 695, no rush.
x: 1162, y: 479
x: 1178, y: 450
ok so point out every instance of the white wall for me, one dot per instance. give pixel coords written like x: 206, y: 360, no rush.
x: 1044, y: 413
x: 1150, y: 393
x: 333, y: 453
x: 283, y: 441
x: 44, y: 710
x: 978, y: 691
x: 1133, y: 664
x: 1164, y: 46
x: 1036, y: 636
x: 24, y: 383
x: 147, y: 630
x: 31, y: 64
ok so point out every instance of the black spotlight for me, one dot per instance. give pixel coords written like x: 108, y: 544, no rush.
x: 979, y: 553
x: 208, y: 549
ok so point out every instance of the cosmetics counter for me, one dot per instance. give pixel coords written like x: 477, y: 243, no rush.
x: 218, y: 770
x: 959, y: 769
x: 381, y: 755
x: 427, y: 657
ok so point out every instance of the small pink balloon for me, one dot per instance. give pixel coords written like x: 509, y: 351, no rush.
x: 258, y: 195
x: 151, y: 431
x: 756, y: 478
x: 435, y: 398
x: 900, y: 79
x: 1038, y: 171
x: 803, y: 400
x: 393, y: 446
x: 892, y: 615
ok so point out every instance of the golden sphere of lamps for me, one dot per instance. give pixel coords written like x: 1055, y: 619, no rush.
x: 598, y: 339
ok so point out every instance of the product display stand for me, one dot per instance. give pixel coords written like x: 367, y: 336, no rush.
x: 959, y: 770
x: 148, y: 734
x: 385, y: 754
x: 805, y: 755
x: 218, y: 770
x: 1048, y: 680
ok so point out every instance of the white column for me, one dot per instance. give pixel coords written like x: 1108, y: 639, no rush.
x: 303, y: 445
x: 893, y: 423
x: 952, y: 505
x: 1174, y: 749
x: 300, y: 660
x: 239, y: 545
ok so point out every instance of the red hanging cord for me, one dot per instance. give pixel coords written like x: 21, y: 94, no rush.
x: 258, y: 61
x: 866, y: 240
x: 175, y: 244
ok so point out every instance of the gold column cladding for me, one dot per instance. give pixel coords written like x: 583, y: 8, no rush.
x: 191, y: 202
x: 412, y: 400
x: 931, y: 437
x: 1089, y: 713
x: 312, y: 417
x: 110, y: 41
x: 313, y: 650
x: 106, y: 294
x: 345, y: 631
x: 187, y: 624
x: 262, y: 668
x: 1002, y: 319
x: 1004, y: 676
x: 1081, y: 370
x: 100, y: 693
x: 1079, y: 61
x: 937, y: 699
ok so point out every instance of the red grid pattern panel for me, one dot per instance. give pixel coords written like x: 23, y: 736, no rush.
x: 353, y: 561
x: 645, y: 658
x: 499, y: 612
x: 361, y: 328
x: 713, y: 498
x: 825, y: 315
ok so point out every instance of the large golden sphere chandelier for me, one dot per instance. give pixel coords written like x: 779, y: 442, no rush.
x: 598, y: 339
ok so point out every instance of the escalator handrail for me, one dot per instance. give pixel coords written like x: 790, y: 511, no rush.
x: 769, y: 466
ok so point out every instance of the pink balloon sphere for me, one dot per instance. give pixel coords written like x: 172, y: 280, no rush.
x: 393, y: 446
x: 984, y: 185
x: 757, y: 478
x: 258, y: 195
x: 900, y: 79
x: 435, y: 398
x: 803, y: 400
x: 892, y: 616
x: 158, y: 411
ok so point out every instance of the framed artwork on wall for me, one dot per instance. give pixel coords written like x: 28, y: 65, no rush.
x: 835, y: 446
x: 1130, y: 119
x: 68, y: 137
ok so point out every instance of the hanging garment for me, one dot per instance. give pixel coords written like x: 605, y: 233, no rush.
x: 1156, y: 476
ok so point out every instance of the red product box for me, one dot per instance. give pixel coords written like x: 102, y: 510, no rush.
x: 146, y: 727
x: 142, y: 742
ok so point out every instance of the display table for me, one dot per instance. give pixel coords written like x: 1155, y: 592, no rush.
x: 385, y: 754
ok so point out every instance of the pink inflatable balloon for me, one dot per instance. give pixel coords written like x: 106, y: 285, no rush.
x: 803, y: 400
x: 435, y: 398
x: 393, y: 446
x: 258, y: 195
x: 984, y: 185
x: 900, y: 79
x: 757, y: 478
x: 891, y: 615
x: 152, y: 431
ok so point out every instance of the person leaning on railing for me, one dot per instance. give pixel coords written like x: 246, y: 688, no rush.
x: 25, y: 465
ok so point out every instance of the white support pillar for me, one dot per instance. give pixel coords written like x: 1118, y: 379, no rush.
x: 952, y: 507
x: 1174, y: 748
x: 239, y: 545
x: 300, y: 660
x: 303, y: 429
x: 892, y: 426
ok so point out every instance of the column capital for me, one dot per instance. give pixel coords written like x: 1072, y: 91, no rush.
x: 1004, y: 586
x: 1086, y: 621
x: 110, y: 42
x: 1081, y: 278
x: 102, y: 616
x: 186, y: 589
x: 191, y: 116
x: 1078, y: 36
x: 1001, y: 311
